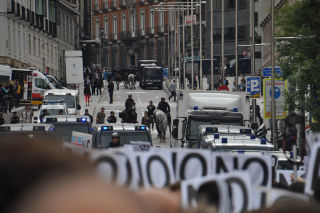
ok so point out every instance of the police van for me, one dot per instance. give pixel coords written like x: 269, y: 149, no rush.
x: 227, y: 138
x: 9, y: 132
x: 70, y: 98
x: 52, y: 107
x: 64, y: 125
x: 127, y: 133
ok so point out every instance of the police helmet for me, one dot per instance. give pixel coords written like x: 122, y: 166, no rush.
x: 115, y: 135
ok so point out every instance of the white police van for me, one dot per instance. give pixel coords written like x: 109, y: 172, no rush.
x: 227, y: 138
x: 10, y: 132
x: 69, y: 97
x: 64, y: 125
x: 128, y: 133
x: 52, y: 107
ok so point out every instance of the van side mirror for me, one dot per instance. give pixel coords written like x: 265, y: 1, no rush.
x: 175, y: 128
x: 78, y: 107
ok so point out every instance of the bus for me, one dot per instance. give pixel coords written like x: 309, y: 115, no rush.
x: 151, y: 77
x: 33, y: 83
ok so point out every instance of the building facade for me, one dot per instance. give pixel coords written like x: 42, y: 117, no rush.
x: 37, y: 32
x: 127, y: 31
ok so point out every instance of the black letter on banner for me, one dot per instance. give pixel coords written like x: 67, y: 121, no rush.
x: 174, y: 161
x: 235, y: 163
x: 140, y: 182
x: 220, y: 165
x: 244, y: 191
x: 315, y: 170
x: 187, y: 158
x: 113, y: 164
x: 129, y: 169
x: 150, y: 160
x: 263, y: 165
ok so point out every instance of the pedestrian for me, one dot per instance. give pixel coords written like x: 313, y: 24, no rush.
x: 86, y: 113
x: 234, y: 87
x: 11, y: 94
x: 26, y: 115
x: 2, y: 98
x: 110, y: 90
x: 146, y: 119
x: 43, y: 114
x: 93, y: 86
x: 225, y: 82
x: 2, y: 121
x: 151, y: 108
x: 18, y: 93
x: 172, y: 88
x: 101, y: 116
x: 14, y: 119
x: 112, y: 118
x: 99, y: 85
x: 87, y: 92
x: 115, y: 140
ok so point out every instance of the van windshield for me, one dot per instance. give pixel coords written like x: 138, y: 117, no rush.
x: 104, y: 139
x: 68, y: 99
x: 153, y: 73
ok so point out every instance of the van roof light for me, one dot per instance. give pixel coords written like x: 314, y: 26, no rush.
x: 224, y: 140
x: 195, y: 108
x: 235, y: 109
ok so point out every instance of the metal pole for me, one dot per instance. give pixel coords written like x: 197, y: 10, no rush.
x: 222, y: 39
x: 211, y: 45
x: 200, y: 54
x: 169, y: 68
x: 192, y: 53
x: 236, y: 43
x: 273, y: 103
x: 179, y: 47
x: 253, y: 58
x: 184, y: 53
x: 175, y: 46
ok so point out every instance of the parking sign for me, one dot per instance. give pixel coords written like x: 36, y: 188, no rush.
x: 254, y: 86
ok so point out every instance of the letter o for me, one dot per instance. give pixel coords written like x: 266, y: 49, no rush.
x: 150, y: 160
x: 187, y: 158
x: 111, y: 162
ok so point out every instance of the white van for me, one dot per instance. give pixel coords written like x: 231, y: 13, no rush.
x: 33, y: 83
x: 70, y: 98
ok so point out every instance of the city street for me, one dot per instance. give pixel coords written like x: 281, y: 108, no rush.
x: 141, y: 98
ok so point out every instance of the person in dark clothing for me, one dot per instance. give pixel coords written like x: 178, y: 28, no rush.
x: 1, y: 118
x: 115, y: 141
x: 164, y: 106
x: 3, y: 97
x: 146, y: 119
x: 86, y: 112
x: 129, y: 103
x: 93, y: 86
x: 151, y: 108
x: 110, y: 90
x: 86, y: 91
x: 11, y: 92
x: 44, y: 113
x: 99, y: 85
x: 112, y: 118
x: 15, y: 118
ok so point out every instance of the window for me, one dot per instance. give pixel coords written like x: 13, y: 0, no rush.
x: 256, y: 19
x: 133, y: 20
x: 105, y: 4
x: 124, y: 22
x: 152, y: 20
x: 106, y: 27
x: 40, y: 83
x: 52, y: 11
x: 161, y: 19
x: 115, y: 27
x: 97, y: 32
x: 142, y: 21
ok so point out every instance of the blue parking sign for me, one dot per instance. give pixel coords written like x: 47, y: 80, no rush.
x: 254, y: 86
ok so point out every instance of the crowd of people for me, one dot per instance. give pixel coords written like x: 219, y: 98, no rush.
x: 10, y: 95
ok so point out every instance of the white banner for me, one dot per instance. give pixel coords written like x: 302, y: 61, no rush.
x: 216, y: 191
x: 313, y: 172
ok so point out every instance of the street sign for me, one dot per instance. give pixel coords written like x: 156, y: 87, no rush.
x: 266, y: 72
x: 279, y: 95
x: 191, y: 19
x: 254, y: 86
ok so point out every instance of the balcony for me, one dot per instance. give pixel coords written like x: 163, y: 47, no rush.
x: 105, y: 6
x: 114, y: 5
x: 96, y: 9
x: 113, y: 37
x: 160, y: 30
x: 151, y: 31
x: 52, y: 29
x: 141, y: 32
x: 123, y: 3
x: 123, y: 35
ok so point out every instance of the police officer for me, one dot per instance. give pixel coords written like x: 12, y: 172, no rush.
x: 86, y: 112
x: 115, y: 140
x: 129, y: 104
x: 165, y: 107
x: 112, y: 118
x: 15, y: 119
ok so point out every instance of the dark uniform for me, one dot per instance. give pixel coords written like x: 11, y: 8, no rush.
x: 112, y: 119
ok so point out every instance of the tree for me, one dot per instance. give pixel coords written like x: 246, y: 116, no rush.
x: 300, y: 58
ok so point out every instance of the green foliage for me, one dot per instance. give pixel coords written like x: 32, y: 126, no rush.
x: 300, y: 58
